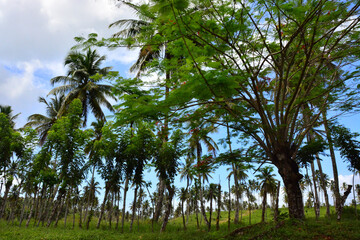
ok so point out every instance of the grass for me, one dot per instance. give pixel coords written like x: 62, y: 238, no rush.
x: 324, y: 228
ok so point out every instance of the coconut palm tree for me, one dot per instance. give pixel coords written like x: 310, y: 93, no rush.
x: 183, y: 196
x: 43, y: 123
x: 83, y: 81
x: 268, y: 184
x: 8, y: 111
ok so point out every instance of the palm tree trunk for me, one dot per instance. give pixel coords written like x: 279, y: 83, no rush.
x: 182, y: 213
x: 103, y: 205
x: 89, y: 194
x: 334, y: 166
x: 249, y: 207
x: 171, y: 192
x: 126, y: 187
x: 202, y: 205
x: 323, y: 186
x: 23, y: 209
x: 316, y: 203
x: 264, y: 206
x: 353, y: 180
x: 32, y: 208
x: 56, y: 206
x: 134, y: 207
x: 229, y: 210
x: 219, y: 209
x: 276, y: 210
x: 7, y: 190
x: 66, y: 208
x: 211, y: 208
x: 160, y: 200
x: 62, y: 202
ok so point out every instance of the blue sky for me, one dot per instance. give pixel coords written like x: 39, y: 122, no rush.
x: 37, y: 35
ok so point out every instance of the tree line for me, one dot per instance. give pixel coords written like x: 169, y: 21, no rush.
x: 266, y: 75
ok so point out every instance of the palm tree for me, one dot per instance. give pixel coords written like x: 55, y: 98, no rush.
x: 239, y: 173
x: 8, y: 111
x: 133, y: 28
x: 83, y: 81
x: 268, y: 184
x: 43, y: 123
x: 183, y: 196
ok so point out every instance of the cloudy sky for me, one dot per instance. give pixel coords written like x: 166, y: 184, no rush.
x: 37, y: 35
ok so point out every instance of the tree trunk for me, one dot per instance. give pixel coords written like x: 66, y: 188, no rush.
x: 323, y: 186
x: 334, y: 166
x: 202, y: 205
x: 103, y: 205
x: 134, y: 208
x: 32, y: 208
x: 160, y: 199
x: 55, y: 208
x: 316, y: 203
x: 276, y: 210
x: 126, y: 188
x: 264, y: 206
x: 92, y: 181
x: 229, y: 213
x: 7, y: 189
x: 210, y: 215
x: 23, y: 209
x: 219, y: 209
x: 289, y: 171
x: 171, y: 192
x: 342, y: 201
x: 354, y: 193
x: 182, y: 213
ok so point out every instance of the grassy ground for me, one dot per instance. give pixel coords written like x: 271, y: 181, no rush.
x: 324, y: 228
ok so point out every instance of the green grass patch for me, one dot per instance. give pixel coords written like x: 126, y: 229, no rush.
x: 323, y: 228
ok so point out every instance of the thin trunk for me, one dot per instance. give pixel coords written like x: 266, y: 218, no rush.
x: 171, y: 192
x: 354, y: 194
x: 276, y: 210
x: 219, y: 209
x: 182, y: 213
x: 197, y: 212
x: 159, y: 203
x: 134, y: 207
x: 334, y: 166
x: 63, y: 201
x: 249, y: 208
x: 66, y: 208
x: 126, y: 187
x: 117, y: 210
x: 210, y: 216
x: 103, y: 205
x: 92, y: 181
x: 323, y: 186
x: 264, y: 206
x: 80, y: 214
x: 23, y: 209
x: 202, y: 206
x: 316, y: 203
x: 57, y: 204
x: 74, y: 213
x: 229, y: 213
x: 4, y: 201
x: 32, y: 208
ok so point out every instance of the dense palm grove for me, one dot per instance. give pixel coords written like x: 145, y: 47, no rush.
x: 270, y: 76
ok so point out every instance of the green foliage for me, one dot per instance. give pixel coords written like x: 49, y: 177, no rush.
x: 308, y: 152
x: 346, y: 142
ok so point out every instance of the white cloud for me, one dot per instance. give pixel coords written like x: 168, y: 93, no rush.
x: 37, y: 35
